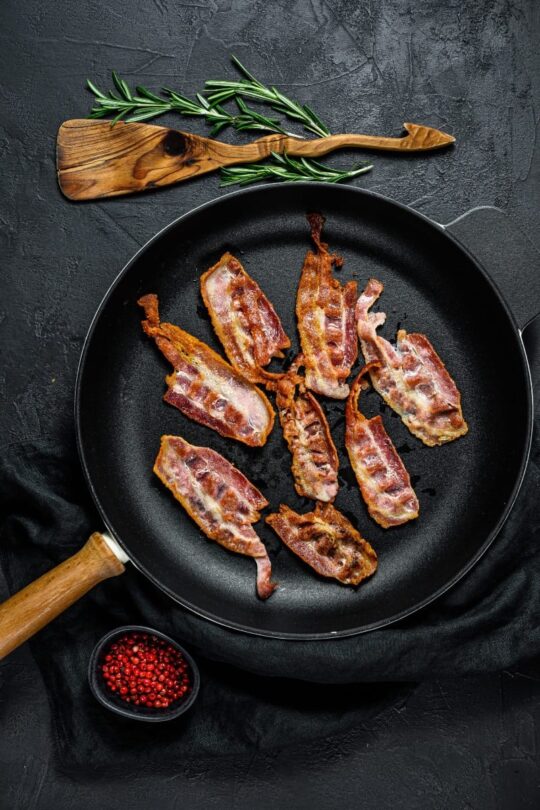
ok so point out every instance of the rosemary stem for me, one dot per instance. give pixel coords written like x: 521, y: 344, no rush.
x: 142, y: 104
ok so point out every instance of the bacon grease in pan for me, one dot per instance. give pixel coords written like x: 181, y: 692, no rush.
x: 244, y: 319
x: 326, y: 541
x: 410, y: 377
x: 305, y: 429
x: 383, y: 480
x: 205, y: 387
x: 326, y: 321
x: 219, y: 498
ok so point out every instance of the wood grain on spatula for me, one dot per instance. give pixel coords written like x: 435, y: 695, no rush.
x: 95, y: 159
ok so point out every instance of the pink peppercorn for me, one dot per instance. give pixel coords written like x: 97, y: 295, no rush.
x: 145, y: 670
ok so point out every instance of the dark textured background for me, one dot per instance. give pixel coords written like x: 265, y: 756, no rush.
x: 469, y: 67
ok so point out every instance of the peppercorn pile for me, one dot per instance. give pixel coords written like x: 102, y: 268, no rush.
x: 145, y: 670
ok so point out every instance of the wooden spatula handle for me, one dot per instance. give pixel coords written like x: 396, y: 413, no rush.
x: 96, y: 160
x: 418, y: 139
x: 35, y: 606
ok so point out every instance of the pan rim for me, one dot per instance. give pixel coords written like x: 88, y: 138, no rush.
x: 334, y: 634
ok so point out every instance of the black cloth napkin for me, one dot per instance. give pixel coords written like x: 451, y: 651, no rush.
x: 489, y: 621
x: 47, y: 513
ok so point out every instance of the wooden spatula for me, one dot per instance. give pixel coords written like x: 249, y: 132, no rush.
x: 97, y: 160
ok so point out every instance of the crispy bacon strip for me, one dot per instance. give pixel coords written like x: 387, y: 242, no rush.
x: 325, y: 314
x: 383, y: 480
x: 221, y: 501
x: 410, y: 377
x: 244, y: 319
x: 205, y: 387
x: 305, y: 428
x: 326, y: 541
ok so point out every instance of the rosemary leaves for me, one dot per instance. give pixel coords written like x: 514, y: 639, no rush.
x: 286, y: 168
x: 142, y: 104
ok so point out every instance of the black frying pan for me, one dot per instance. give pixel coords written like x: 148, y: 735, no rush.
x: 433, y: 285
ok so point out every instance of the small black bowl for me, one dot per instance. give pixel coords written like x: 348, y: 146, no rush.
x: 116, y: 704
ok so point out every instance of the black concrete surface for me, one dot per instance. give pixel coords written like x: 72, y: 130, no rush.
x: 471, y: 68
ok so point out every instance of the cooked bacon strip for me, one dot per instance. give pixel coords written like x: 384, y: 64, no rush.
x: 410, y: 377
x: 244, y: 319
x: 325, y: 314
x: 221, y: 501
x: 205, y: 387
x: 383, y: 480
x: 326, y: 541
x: 305, y: 428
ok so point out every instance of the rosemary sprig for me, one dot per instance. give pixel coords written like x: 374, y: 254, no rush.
x: 284, y: 167
x: 222, y: 90
x: 142, y: 105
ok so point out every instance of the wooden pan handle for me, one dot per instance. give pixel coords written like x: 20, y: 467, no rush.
x: 43, y: 600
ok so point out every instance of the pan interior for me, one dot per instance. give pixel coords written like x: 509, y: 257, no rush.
x: 431, y: 286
